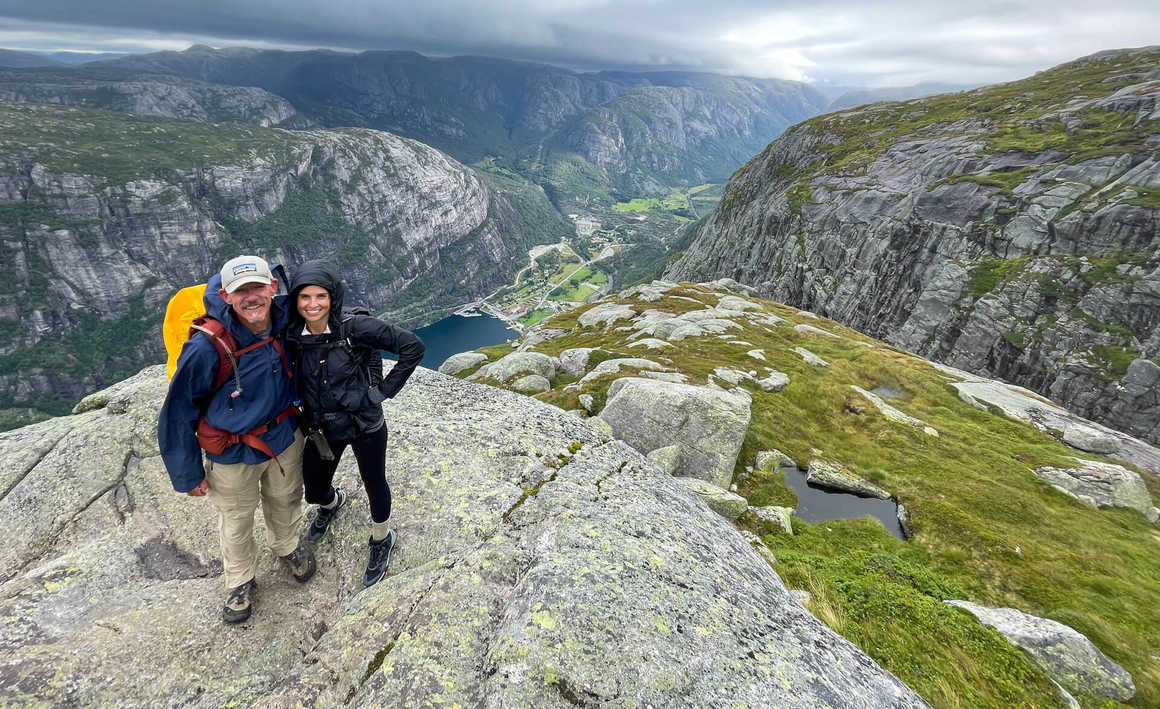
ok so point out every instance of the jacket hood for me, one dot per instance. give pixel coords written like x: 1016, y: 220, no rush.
x: 318, y: 273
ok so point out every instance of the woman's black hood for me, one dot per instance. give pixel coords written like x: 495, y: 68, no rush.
x: 318, y: 273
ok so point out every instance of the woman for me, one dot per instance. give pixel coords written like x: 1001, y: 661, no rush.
x: 338, y: 366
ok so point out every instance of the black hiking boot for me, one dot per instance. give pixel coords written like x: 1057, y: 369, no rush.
x: 301, y: 563
x: 324, y: 516
x: 240, y: 602
x: 380, y: 557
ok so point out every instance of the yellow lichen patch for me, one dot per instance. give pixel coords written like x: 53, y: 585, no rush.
x: 544, y: 619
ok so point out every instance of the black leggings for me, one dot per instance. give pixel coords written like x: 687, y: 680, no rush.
x: 370, y: 450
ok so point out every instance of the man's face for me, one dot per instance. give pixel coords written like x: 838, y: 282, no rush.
x: 251, y: 303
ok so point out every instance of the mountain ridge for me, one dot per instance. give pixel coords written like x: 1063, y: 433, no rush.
x: 100, y: 228
x: 1008, y: 230
x: 474, y: 108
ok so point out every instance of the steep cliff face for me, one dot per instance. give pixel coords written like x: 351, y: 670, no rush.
x: 699, y: 130
x: 1009, y: 230
x: 147, y: 95
x: 105, y: 215
x: 643, y: 130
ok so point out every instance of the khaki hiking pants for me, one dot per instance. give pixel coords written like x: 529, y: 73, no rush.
x: 235, y: 491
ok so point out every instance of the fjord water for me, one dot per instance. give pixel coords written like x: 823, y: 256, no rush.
x: 816, y: 504
x: 456, y: 333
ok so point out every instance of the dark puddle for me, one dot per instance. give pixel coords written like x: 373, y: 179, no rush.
x: 817, y: 504
x: 887, y: 393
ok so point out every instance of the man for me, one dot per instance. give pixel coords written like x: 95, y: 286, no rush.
x: 256, y: 403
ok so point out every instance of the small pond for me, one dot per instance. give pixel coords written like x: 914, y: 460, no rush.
x: 817, y: 504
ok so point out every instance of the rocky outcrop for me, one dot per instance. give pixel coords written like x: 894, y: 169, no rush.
x: 539, y: 564
x: 707, y: 425
x: 515, y: 363
x: 1102, y: 485
x: 828, y: 474
x: 1026, y: 405
x: 1010, y: 231
x: 92, y: 249
x: 1070, y: 657
x: 457, y: 363
x: 727, y: 504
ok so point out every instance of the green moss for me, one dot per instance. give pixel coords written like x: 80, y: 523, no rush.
x: 863, y: 582
x: 1015, y: 338
x: 799, y: 194
x: 1114, y: 361
x: 987, y: 274
x: 1147, y: 198
x: 1005, y: 181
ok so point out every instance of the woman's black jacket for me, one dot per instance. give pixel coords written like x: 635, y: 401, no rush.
x: 334, y: 371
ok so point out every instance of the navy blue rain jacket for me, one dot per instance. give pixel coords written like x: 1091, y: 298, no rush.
x: 266, y: 392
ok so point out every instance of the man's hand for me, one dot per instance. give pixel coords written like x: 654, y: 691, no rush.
x: 200, y: 490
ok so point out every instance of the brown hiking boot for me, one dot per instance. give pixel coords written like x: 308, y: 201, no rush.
x: 240, y: 602
x: 301, y: 563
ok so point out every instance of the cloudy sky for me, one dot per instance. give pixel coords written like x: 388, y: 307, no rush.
x: 889, y: 43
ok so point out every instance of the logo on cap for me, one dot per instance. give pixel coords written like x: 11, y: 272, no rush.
x: 241, y: 268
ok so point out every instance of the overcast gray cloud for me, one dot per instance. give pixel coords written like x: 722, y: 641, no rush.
x: 835, y: 41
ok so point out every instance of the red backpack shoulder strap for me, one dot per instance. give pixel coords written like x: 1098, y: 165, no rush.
x: 223, y: 342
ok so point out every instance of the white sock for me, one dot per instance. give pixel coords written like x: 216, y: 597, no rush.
x: 379, y: 530
x: 333, y: 502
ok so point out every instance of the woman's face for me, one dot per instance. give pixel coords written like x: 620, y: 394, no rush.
x: 314, y: 304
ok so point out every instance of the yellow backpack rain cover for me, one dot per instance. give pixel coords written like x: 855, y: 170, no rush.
x: 183, y: 308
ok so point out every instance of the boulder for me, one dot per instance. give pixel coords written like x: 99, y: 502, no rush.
x: 536, y: 337
x: 1090, y: 439
x: 651, y: 343
x: 735, y: 304
x: 587, y: 402
x: 892, y: 413
x: 729, y: 505
x: 457, y: 363
x: 810, y: 357
x: 773, y: 460
x: 1028, y: 406
x: 757, y: 354
x: 709, y: 426
x: 776, y: 381
x: 730, y: 285
x: 904, y: 522
x: 1063, y: 652
x: 674, y: 377
x: 575, y: 361
x: 767, y: 319
x: 759, y: 547
x: 811, y: 330
x: 612, y: 366
x: 733, y: 376
x: 515, y: 363
x: 1102, y: 485
x: 538, y: 561
x: 668, y: 457
x: 531, y: 384
x: 825, y: 473
x: 606, y: 314
x: 775, y: 516
x: 647, y: 291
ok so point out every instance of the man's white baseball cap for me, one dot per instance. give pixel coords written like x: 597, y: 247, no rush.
x: 245, y: 269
